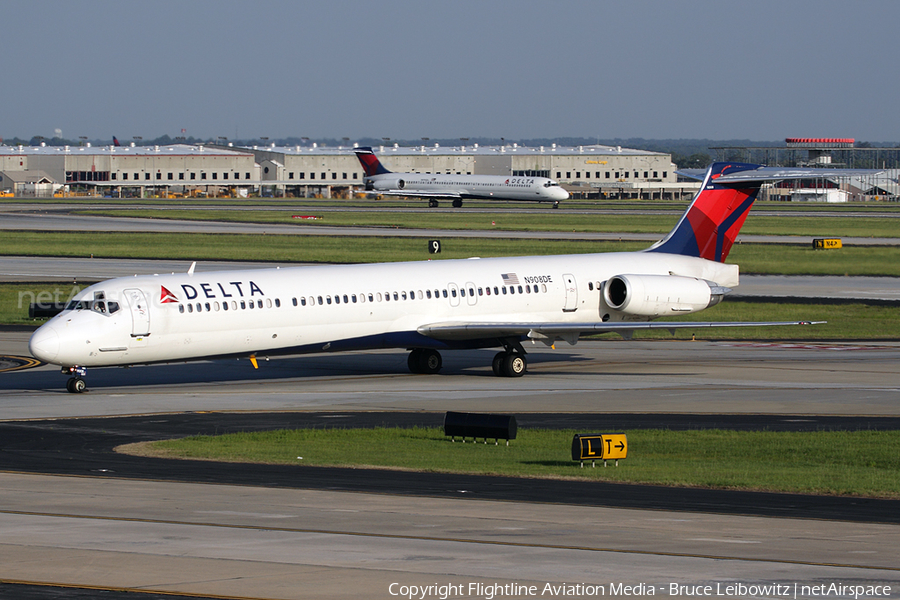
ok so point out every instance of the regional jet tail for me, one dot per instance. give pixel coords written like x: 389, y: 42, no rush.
x: 457, y: 188
x: 426, y: 307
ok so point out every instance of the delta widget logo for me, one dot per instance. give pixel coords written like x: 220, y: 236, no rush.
x: 166, y: 296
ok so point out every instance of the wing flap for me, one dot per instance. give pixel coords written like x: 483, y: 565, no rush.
x: 570, y: 331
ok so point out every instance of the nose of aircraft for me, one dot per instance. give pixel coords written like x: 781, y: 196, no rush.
x: 560, y: 194
x: 44, y: 344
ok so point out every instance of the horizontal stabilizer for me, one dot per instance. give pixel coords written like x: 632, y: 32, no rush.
x: 769, y: 174
x: 710, y: 226
x: 763, y: 174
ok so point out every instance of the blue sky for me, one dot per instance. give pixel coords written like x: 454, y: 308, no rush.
x: 761, y: 70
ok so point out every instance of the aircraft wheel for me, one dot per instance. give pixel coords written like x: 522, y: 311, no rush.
x: 432, y: 203
x: 514, y: 365
x: 497, y: 363
x: 424, y: 361
x: 431, y: 361
x: 414, y: 361
x: 457, y: 204
x: 76, y: 385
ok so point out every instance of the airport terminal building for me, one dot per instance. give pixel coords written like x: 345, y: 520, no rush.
x: 300, y: 171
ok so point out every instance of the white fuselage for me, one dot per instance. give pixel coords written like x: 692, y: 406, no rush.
x: 539, y: 189
x: 158, y: 318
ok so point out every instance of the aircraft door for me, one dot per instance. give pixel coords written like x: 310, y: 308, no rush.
x: 571, y: 293
x: 470, y: 294
x: 140, y: 313
x: 454, y: 294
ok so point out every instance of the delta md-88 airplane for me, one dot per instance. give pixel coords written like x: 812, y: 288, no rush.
x: 425, y: 307
x: 457, y: 188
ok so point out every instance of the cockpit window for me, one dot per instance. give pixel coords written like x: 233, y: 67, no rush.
x: 76, y: 305
x: 551, y: 183
x: 98, y: 305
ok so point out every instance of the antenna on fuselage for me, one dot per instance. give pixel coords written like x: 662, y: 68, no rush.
x: 191, y: 270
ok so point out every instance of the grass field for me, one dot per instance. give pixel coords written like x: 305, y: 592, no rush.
x: 812, y: 226
x: 798, y: 208
x: 860, y: 463
x: 753, y: 258
x: 844, y: 322
x: 15, y: 299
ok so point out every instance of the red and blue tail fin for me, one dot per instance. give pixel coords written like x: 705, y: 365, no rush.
x: 370, y: 163
x: 711, y: 223
x: 116, y: 141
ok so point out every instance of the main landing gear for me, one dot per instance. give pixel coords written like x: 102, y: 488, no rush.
x: 76, y: 383
x: 424, y: 361
x: 509, y: 363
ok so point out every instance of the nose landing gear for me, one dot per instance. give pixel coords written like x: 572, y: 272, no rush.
x: 75, y: 384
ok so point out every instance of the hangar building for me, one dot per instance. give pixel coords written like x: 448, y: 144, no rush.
x: 583, y: 170
x: 132, y: 166
x: 586, y: 171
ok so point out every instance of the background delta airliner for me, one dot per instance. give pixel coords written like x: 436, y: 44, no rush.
x: 426, y: 307
x: 435, y: 186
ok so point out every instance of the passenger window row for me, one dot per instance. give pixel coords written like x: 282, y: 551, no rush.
x: 418, y: 295
x: 363, y: 298
x: 225, y: 306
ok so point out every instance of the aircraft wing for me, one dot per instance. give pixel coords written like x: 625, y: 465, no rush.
x: 548, y: 332
x: 415, y: 194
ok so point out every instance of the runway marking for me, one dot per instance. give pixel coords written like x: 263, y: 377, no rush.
x: 722, y: 541
x: 795, y: 346
x: 20, y: 363
x: 425, y: 538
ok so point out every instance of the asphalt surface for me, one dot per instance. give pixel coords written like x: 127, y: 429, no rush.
x: 744, y: 387
x: 12, y: 221
x: 85, y: 447
x: 87, y: 516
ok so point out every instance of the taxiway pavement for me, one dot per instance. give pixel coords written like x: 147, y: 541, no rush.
x: 40, y: 221
x: 256, y: 538
x: 74, y: 514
